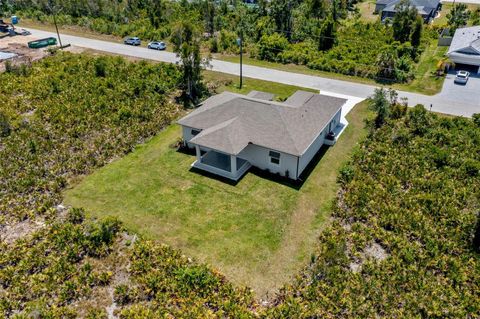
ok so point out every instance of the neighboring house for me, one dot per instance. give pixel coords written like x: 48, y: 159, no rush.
x: 232, y: 132
x: 428, y: 9
x: 465, y: 47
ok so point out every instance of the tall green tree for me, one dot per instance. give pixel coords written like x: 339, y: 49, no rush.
x: 404, y: 21
x: 327, y: 34
x: 209, y: 12
x: 458, y: 16
x: 380, y: 104
x: 282, y: 12
x: 316, y: 8
x: 186, y: 42
x: 416, y: 36
x: 156, y: 12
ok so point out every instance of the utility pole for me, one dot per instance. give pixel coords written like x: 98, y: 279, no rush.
x: 56, y: 27
x: 53, y: 9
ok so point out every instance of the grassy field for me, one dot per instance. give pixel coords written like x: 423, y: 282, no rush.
x: 232, y: 83
x: 258, y: 232
x: 366, y: 9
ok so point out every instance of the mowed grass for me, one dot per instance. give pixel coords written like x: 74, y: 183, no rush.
x: 426, y: 80
x: 258, y: 232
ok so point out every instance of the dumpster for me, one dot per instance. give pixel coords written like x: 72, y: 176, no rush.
x: 15, y: 20
x: 37, y: 44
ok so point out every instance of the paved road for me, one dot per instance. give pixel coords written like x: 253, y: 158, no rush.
x: 463, y: 1
x: 444, y: 102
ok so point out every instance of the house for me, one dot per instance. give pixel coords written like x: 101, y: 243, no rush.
x: 465, y: 47
x: 428, y: 9
x: 232, y: 132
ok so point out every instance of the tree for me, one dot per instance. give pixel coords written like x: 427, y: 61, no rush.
x: 186, y: 42
x: 156, y: 11
x: 316, y: 8
x: 327, y: 34
x: 386, y: 65
x: 209, y: 16
x: 404, y: 20
x: 281, y: 11
x: 380, y: 104
x: 458, y: 16
x: 416, y: 36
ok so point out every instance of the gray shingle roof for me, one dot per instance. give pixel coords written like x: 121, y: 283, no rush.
x: 423, y: 6
x: 229, y: 121
x: 466, y: 39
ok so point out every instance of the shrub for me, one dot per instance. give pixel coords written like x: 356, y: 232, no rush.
x: 4, y: 125
x: 76, y: 216
x: 270, y: 47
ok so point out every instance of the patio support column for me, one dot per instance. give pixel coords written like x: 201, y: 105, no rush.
x: 233, y: 164
x: 199, y: 154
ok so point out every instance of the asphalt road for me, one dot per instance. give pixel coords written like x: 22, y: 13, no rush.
x: 463, y: 1
x: 449, y: 102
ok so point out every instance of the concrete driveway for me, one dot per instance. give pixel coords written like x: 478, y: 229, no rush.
x: 461, y: 93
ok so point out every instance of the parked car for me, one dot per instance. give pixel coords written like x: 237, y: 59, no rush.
x: 132, y: 41
x: 23, y: 32
x: 157, y: 45
x: 462, y: 77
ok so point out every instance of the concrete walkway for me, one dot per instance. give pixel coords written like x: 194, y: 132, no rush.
x: 355, y: 92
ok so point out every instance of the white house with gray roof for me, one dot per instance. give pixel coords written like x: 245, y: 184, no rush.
x: 232, y: 132
x: 465, y: 47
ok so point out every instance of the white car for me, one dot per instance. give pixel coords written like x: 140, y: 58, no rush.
x: 157, y: 45
x: 462, y: 77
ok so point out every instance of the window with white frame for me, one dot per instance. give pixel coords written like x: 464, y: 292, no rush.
x: 274, y: 157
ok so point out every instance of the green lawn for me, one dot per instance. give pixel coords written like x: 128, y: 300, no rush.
x: 231, y: 83
x: 366, y: 9
x: 258, y: 232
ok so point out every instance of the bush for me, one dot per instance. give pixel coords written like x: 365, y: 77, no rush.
x: 4, y: 125
x: 270, y: 47
x: 76, y: 216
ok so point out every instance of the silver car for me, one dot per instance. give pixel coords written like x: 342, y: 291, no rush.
x: 462, y: 77
x: 157, y: 45
x: 132, y: 41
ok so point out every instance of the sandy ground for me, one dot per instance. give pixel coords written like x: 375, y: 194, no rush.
x: 19, y: 45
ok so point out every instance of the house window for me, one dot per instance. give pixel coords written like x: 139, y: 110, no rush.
x: 274, y: 157
x: 195, y: 132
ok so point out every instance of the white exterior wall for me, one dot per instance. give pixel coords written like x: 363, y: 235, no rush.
x: 464, y: 58
x: 317, y: 144
x: 259, y: 157
x: 187, y: 135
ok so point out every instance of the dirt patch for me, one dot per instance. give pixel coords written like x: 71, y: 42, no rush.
x: 11, y: 232
x: 373, y: 251
x: 24, y: 55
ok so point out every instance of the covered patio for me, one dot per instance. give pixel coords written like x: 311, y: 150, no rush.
x: 225, y: 165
